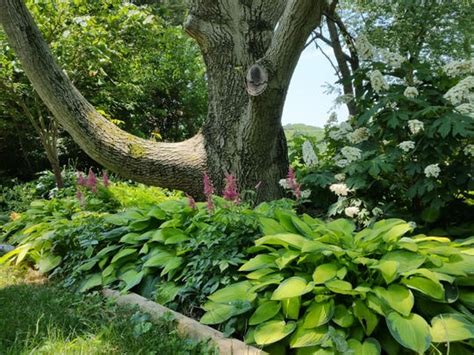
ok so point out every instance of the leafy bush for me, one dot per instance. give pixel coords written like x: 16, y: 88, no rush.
x: 408, y: 154
x: 323, y: 288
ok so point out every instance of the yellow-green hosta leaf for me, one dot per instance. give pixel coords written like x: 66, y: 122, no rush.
x: 396, y: 232
x: 122, y: 254
x: 258, y: 274
x: 369, y: 347
x: 261, y: 261
x: 92, y: 281
x: 407, y: 260
x: 366, y: 317
x: 318, y: 314
x: 428, y: 287
x: 220, y: 312
x: 412, y: 332
x: 461, y: 265
x: 343, y: 317
x: 291, y: 307
x: 315, y: 350
x: 240, y: 291
x: 451, y: 327
x: 269, y: 226
x: 398, y: 297
x: 308, y: 337
x: 264, y: 312
x: 159, y: 259
x: 388, y: 269
x: 48, y: 262
x: 131, y: 278
x: 340, y: 286
x: 287, y: 257
x: 466, y: 296
x: 284, y: 239
x: 302, y: 227
x: 292, y: 287
x: 172, y: 264
x: 273, y: 331
x: 325, y: 272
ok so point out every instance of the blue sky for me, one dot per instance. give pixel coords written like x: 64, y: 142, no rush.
x: 306, y: 101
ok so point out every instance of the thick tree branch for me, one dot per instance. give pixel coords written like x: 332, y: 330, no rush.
x: 173, y: 165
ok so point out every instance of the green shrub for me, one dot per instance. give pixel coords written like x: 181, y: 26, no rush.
x: 323, y: 288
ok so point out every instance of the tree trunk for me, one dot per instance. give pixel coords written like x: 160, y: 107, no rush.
x: 250, y: 49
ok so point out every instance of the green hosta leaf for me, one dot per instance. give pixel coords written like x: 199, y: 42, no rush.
x: 399, y: 298
x: 285, y: 220
x: 220, y: 312
x: 412, y: 332
x: 88, y: 265
x: 92, y: 281
x: 396, y: 232
x: 130, y: 238
x: 159, y: 259
x: 286, y: 258
x: 273, y: 331
x: 172, y: 264
x: 264, y: 312
x: 318, y: 314
x: 171, y: 206
x: 388, y: 269
x: 467, y: 297
x: 366, y: 317
x: 460, y: 265
x: 325, y: 272
x: 308, y: 337
x: 369, y: 347
x: 166, y: 292
x: 292, y: 287
x: 258, y: 274
x: 428, y: 287
x: 340, y: 286
x: 291, y: 307
x: 377, y: 305
x: 240, y: 291
x: 122, y: 254
x: 258, y: 262
x: 48, y: 262
x: 342, y: 316
x: 302, y: 227
x: 270, y: 226
x: 451, y: 327
x: 174, y: 235
x: 287, y: 239
x: 407, y: 260
x: 107, y: 250
x: 140, y: 225
x: 131, y: 278
x: 315, y: 350
x: 157, y: 213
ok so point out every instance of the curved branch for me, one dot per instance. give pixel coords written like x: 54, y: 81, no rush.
x: 171, y: 165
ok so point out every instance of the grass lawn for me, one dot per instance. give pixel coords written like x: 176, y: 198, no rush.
x: 37, y: 317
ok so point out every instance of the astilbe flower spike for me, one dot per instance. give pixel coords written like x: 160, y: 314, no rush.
x: 191, y: 202
x: 81, y: 180
x: 92, y: 181
x: 105, y: 179
x: 208, y: 191
x: 293, y: 184
x: 231, y: 192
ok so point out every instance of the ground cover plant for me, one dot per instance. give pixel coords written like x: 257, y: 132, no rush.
x: 44, y: 318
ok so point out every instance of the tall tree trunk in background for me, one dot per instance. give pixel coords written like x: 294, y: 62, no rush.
x: 250, y: 49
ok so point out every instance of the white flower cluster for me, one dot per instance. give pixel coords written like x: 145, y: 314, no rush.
x: 352, y: 211
x: 466, y: 109
x: 284, y: 183
x: 351, y: 153
x: 340, y: 177
x: 344, y: 99
x: 395, y: 60
x: 432, y: 170
x: 461, y: 92
x: 340, y: 189
x: 458, y: 68
x: 339, y: 132
x: 411, y: 92
x: 305, y: 194
x: 358, y: 136
x: 469, y: 150
x: 309, y: 156
x: 341, y: 162
x: 377, y: 211
x: 378, y: 81
x: 415, y: 126
x: 363, y: 47
x: 406, y: 146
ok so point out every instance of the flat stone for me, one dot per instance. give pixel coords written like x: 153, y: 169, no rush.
x: 186, y: 326
x: 5, y: 248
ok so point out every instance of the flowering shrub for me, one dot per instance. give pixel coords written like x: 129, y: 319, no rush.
x: 408, y: 153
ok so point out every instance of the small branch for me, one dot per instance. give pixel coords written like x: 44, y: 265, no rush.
x: 329, y: 59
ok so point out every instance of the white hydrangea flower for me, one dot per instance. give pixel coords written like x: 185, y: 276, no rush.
x: 340, y: 177
x: 395, y: 60
x: 342, y: 163
x: 351, y: 153
x: 411, y: 92
x: 466, y: 109
x: 305, y: 194
x: 469, y: 150
x: 412, y: 224
x: 377, y: 211
x: 385, y: 142
x: 378, y: 81
x: 339, y: 132
x: 339, y: 189
x: 283, y: 183
x: 344, y: 99
x: 406, y: 146
x: 358, y: 136
x: 352, y: 211
x: 458, y: 68
x: 309, y: 156
x: 461, y: 91
x: 432, y: 170
x: 415, y: 126
x: 363, y: 47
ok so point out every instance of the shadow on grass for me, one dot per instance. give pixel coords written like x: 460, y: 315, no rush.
x: 44, y: 319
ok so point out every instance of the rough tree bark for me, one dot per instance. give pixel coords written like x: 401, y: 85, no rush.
x: 250, y: 47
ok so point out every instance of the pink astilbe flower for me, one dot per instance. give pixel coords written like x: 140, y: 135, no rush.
x: 80, y: 197
x: 293, y: 184
x: 231, y: 192
x: 105, y: 179
x: 91, y: 181
x: 191, y: 202
x: 208, y: 191
x: 81, y: 180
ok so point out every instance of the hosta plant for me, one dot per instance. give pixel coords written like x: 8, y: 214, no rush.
x: 323, y: 288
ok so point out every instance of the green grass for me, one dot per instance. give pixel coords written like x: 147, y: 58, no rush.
x: 37, y: 318
x: 307, y: 130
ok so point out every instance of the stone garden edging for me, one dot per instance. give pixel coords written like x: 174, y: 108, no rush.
x: 185, y: 325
